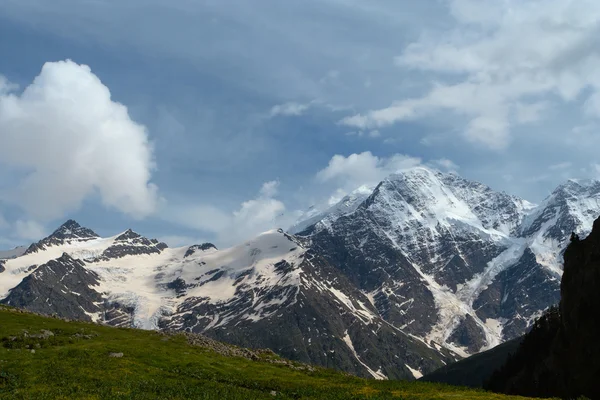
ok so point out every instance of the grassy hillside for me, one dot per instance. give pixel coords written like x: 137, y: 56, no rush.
x: 46, y: 358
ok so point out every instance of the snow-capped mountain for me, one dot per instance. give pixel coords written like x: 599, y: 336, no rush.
x: 454, y: 261
x: 348, y: 204
x: 270, y: 292
x: 12, y: 253
x: 392, y: 282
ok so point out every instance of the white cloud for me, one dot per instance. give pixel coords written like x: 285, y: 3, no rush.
x: 269, y: 189
x: 259, y: 214
x: 29, y: 230
x: 6, y: 86
x: 445, y: 164
x: 254, y: 216
x: 70, y: 140
x: 356, y: 170
x: 291, y: 109
x: 497, y: 62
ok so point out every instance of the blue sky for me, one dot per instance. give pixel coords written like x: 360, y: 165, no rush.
x: 236, y: 109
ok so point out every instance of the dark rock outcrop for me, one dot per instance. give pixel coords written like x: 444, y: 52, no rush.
x: 199, y: 247
x: 560, y: 357
x: 62, y: 286
x: 476, y: 370
x: 131, y: 243
x: 468, y: 334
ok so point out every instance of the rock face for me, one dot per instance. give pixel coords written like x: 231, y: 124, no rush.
x: 131, y: 243
x: 314, y: 315
x: 199, y: 247
x: 560, y: 356
x: 451, y: 260
x: 271, y: 292
x: 62, y: 286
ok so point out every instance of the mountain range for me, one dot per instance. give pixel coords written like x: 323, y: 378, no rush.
x: 392, y: 282
x: 558, y: 357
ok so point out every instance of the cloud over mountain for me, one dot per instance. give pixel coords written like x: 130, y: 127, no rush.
x: 67, y: 140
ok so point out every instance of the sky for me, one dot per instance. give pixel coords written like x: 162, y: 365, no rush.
x: 215, y: 120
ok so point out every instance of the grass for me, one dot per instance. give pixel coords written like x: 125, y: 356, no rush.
x: 74, y: 363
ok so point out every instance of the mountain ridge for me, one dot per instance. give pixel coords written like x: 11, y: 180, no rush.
x: 429, y: 266
x: 465, y: 236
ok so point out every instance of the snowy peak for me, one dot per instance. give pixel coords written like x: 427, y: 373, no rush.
x: 419, y: 198
x: 442, y: 257
x: 69, y: 232
x: 127, y: 236
x: 448, y: 195
x: 131, y: 243
x: 578, y: 187
x: 429, y: 196
x: 571, y: 207
x: 496, y: 210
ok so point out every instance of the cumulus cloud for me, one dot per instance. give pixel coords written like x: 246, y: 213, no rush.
x: 261, y: 213
x: 254, y: 216
x: 445, y: 164
x: 496, y: 63
x: 364, y: 169
x: 68, y: 140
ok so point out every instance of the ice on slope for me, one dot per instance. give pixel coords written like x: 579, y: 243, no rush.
x: 375, y: 374
x: 415, y: 208
x: 18, y: 268
x: 139, y: 281
x: 415, y: 372
x: 572, y: 207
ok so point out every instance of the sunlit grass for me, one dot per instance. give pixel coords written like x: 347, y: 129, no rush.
x: 74, y: 363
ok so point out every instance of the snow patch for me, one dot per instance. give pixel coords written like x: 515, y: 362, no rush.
x: 375, y: 374
x: 415, y: 372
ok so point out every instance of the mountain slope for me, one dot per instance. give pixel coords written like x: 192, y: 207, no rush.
x: 476, y: 370
x: 560, y: 356
x: 270, y: 292
x: 46, y: 358
x: 393, y: 282
x: 453, y: 261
